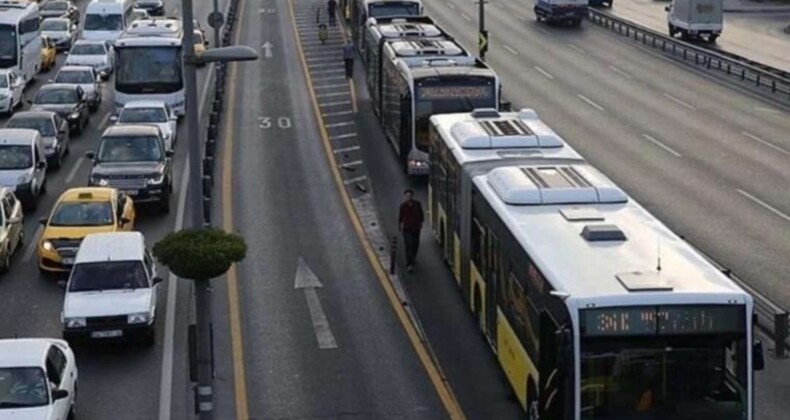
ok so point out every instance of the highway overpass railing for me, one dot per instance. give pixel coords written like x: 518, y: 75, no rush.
x: 771, y: 318
x: 765, y: 80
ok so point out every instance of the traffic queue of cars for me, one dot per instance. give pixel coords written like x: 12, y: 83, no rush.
x: 88, y: 238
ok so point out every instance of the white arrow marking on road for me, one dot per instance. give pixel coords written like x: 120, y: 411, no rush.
x: 267, y: 49
x: 308, y: 281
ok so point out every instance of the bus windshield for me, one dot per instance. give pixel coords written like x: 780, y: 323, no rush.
x: 393, y: 8
x: 95, y: 22
x: 445, y: 96
x: 672, y: 362
x: 8, y: 46
x: 149, y: 70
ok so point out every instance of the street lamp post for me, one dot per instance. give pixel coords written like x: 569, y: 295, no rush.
x: 482, y: 36
x: 204, y: 392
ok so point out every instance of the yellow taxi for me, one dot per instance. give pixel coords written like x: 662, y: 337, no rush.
x: 78, y: 212
x: 48, y: 54
x: 200, y: 43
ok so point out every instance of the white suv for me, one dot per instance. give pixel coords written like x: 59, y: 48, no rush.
x: 38, y: 379
x: 111, y: 292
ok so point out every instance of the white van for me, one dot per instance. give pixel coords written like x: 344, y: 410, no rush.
x: 105, y: 20
x: 23, y: 165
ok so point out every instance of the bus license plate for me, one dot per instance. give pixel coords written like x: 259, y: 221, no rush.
x: 107, y: 334
x: 68, y: 261
x: 129, y: 192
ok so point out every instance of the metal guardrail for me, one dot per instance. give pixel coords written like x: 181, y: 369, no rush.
x: 771, y: 318
x: 765, y: 80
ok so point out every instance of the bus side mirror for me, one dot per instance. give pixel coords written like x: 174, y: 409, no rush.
x: 505, y: 106
x: 758, y: 356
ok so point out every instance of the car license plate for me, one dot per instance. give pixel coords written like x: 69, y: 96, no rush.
x: 68, y: 261
x: 129, y: 192
x: 107, y: 334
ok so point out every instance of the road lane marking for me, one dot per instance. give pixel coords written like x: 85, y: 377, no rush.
x: 340, y: 124
x: 465, y: 16
x: 74, y: 169
x: 767, y: 110
x: 544, y: 72
x: 765, y: 205
x: 450, y: 5
x: 330, y: 71
x: 104, y: 119
x: 543, y: 30
x: 346, y: 149
x: 350, y: 164
x: 326, y: 95
x: 679, y: 102
x: 306, y: 280
x: 661, y: 145
x: 430, y: 365
x: 355, y: 180
x: 31, y: 246
x: 315, y: 66
x: 324, y: 79
x: 335, y: 103
x: 509, y: 49
x: 765, y: 142
x: 590, y: 102
x: 336, y: 114
x: 331, y: 86
x: 577, y: 49
x: 343, y: 136
x: 620, y: 72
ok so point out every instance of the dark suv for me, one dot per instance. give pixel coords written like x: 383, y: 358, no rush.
x: 133, y: 159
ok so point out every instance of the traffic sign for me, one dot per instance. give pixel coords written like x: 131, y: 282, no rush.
x: 216, y: 20
x: 482, y: 42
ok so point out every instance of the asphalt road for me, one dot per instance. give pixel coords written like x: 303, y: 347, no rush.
x: 705, y: 158
x: 118, y: 382
x: 756, y: 36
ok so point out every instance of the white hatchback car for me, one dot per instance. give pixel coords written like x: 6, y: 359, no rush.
x: 38, y: 379
x: 157, y: 113
x: 11, y: 87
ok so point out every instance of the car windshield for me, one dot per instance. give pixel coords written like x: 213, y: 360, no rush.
x: 87, y: 49
x: 56, y: 5
x: 15, y: 157
x: 54, y: 25
x: 143, y: 115
x: 77, y: 77
x: 56, y: 96
x: 130, y: 149
x: 110, y: 275
x: 87, y: 213
x: 23, y: 387
x: 43, y: 125
x: 94, y: 22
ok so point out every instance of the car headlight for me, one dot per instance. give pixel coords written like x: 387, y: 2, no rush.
x: 47, y: 245
x: 3, y: 95
x: 178, y: 104
x: 75, y: 322
x: 156, y: 179
x: 74, y: 115
x: 141, y: 318
x: 23, y: 179
x: 102, y: 182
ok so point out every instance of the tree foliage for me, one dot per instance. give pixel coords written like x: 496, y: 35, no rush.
x: 200, y: 254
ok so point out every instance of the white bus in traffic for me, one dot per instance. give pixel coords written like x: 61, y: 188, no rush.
x: 20, y: 38
x: 149, y: 63
x: 105, y: 20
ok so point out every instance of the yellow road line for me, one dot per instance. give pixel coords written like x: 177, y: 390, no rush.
x: 443, y: 389
x: 237, y: 344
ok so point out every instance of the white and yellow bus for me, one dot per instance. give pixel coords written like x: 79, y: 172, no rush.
x: 595, y: 309
x: 20, y: 38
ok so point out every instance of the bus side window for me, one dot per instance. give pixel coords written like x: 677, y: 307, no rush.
x: 478, y: 246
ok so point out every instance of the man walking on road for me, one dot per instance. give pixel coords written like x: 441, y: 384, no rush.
x: 331, y: 10
x: 348, y: 58
x: 410, y: 219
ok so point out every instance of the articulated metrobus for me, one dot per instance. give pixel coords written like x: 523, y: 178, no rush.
x: 412, y: 52
x: 149, y: 63
x: 362, y: 10
x: 411, y: 92
x: 380, y: 30
x: 20, y: 38
x: 594, y: 308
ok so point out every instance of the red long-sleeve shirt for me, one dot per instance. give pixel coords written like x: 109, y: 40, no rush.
x: 410, y: 216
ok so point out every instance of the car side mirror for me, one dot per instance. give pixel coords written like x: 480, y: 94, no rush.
x: 59, y: 394
x: 114, y: 118
x: 90, y: 155
x: 205, y: 42
x: 169, y: 153
x: 42, y: 220
x: 666, y: 9
x: 758, y: 356
x: 173, y: 118
x: 103, y: 75
x: 14, y: 219
x: 158, y: 280
x: 62, y: 132
x: 124, y: 220
x: 41, y: 164
x: 50, y: 81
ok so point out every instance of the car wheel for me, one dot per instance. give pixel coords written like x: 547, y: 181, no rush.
x: 164, y: 205
x: 5, y: 262
x: 58, y: 161
x: 72, y: 413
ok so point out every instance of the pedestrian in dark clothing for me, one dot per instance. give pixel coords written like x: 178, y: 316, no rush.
x: 410, y: 219
x: 331, y: 9
x: 348, y: 58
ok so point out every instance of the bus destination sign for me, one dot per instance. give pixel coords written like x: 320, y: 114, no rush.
x: 454, y: 92
x: 663, y: 320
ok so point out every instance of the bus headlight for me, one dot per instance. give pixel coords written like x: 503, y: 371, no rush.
x: 141, y: 318
x: 75, y: 322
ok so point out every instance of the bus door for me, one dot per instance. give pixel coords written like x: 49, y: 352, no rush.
x: 556, y: 361
x: 492, y: 279
x: 404, y: 135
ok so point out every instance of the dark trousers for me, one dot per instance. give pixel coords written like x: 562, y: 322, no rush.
x: 411, y: 242
x: 332, y: 17
x: 349, y: 67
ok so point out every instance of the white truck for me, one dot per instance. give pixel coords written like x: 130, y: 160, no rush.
x: 695, y: 19
x: 561, y: 11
